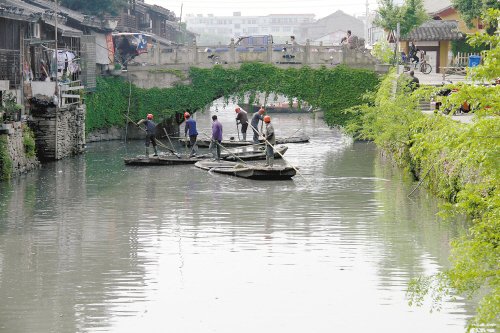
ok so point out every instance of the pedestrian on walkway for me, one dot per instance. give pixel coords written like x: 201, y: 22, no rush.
x: 413, y: 83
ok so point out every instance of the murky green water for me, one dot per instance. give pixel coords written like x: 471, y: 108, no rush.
x: 89, y: 245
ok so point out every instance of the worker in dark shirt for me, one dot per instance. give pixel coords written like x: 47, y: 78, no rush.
x: 216, y: 137
x: 413, y: 83
x: 258, y: 116
x: 242, y: 118
x: 150, y: 133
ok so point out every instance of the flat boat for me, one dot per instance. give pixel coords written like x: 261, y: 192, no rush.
x: 205, y: 143
x: 164, y: 160
x: 251, y: 153
x: 248, y: 171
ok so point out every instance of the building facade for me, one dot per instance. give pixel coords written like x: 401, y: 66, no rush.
x: 223, y: 28
x: 334, y: 25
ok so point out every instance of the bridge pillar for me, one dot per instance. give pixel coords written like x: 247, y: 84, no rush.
x: 195, y: 52
x: 307, y: 52
x: 232, y: 52
x: 269, y: 58
x: 158, y: 54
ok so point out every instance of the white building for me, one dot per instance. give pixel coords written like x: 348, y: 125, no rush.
x: 223, y: 28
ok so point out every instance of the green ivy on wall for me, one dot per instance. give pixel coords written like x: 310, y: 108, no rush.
x: 331, y: 89
x: 5, y: 160
x: 29, y: 141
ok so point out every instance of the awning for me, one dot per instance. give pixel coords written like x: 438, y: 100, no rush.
x: 64, y: 30
x: 101, y: 50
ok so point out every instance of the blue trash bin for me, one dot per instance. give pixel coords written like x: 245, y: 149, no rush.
x: 474, y: 60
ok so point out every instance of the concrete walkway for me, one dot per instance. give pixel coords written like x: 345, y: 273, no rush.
x: 436, y: 79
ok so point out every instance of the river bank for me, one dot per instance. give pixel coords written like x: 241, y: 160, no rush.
x: 458, y: 162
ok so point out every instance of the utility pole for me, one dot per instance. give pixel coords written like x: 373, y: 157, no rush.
x: 396, y: 50
x: 180, y: 21
x: 55, y: 34
x: 56, y: 90
x: 366, y: 24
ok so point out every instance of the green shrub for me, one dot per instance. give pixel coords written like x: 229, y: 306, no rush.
x: 5, y: 160
x: 331, y: 89
x: 29, y: 142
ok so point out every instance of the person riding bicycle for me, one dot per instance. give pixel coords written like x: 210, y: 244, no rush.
x: 412, y: 53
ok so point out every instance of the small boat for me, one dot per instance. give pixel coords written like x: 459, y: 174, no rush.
x: 251, y: 153
x: 292, y: 139
x: 248, y: 171
x: 240, y: 153
x: 164, y: 160
x: 277, y: 108
x: 204, y: 143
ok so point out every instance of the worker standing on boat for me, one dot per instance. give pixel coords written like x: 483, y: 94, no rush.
x: 255, y: 124
x: 216, y: 138
x: 242, y: 118
x: 190, y: 129
x: 270, y: 141
x: 150, y: 133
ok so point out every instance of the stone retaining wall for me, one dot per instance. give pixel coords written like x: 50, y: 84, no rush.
x: 59, y: 132
x: 15, y: 146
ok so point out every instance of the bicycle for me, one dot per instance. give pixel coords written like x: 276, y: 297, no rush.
x: 407, y: 63
x: 216, y: 60
x: 424, y: 66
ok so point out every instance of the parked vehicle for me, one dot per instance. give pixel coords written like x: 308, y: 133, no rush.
x: 255, y: 43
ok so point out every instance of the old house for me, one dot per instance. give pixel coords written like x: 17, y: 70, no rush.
x: 332, y: 26
x: 153, y: 19
x: 434, y: 37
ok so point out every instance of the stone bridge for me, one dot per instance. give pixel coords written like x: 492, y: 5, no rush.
x: 151, y: 69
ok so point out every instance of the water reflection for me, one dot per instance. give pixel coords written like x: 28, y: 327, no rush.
x: 87, y: 244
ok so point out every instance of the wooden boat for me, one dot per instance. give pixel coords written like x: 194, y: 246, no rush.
x: 292, y: 139
x: 242, y: 153
x: 205, y: 143
x: 278, y: 108
x: 164, y: 160
x: 248, y: 171
x: 251, y: 153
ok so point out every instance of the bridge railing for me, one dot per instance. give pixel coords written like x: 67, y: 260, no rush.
x: 314, y: 55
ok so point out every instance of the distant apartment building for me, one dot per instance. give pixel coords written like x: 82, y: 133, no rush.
x: 223, y: 28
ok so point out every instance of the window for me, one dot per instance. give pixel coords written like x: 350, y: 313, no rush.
x: 275, y: 29
x: 237, y: 26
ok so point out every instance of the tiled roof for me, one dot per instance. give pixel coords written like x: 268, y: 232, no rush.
x: 435, y: 30
x: 30, y: 13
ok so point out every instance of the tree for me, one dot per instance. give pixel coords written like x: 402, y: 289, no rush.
x: 410, y: 15
x: 475, y: 256
x: 472, y: 9
x: 388, y: 16
x: 96, y: 7
x: 413, y: 15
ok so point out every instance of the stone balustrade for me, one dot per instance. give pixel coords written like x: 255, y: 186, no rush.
x: 294, y: 55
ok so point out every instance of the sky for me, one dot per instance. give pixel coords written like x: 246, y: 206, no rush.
x: 320, y: 8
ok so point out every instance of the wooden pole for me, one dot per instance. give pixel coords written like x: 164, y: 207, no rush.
x: 296, y: 170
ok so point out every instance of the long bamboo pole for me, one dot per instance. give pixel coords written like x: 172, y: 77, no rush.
x: 296, y: 170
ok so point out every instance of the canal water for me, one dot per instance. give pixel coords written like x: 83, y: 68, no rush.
x: 88, y: 244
